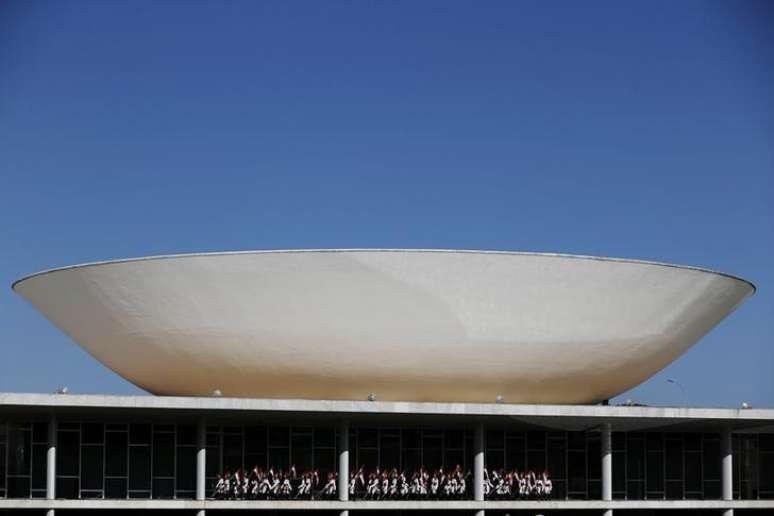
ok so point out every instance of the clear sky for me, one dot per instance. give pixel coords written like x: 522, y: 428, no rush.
x: 628, y: 129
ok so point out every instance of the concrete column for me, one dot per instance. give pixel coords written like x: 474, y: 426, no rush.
x: 201, y: 462
x: 51, y: 463
x: 607, y: 465
x: 479, y: 447
x: 343, y: 475
x: 607, y: 462
x: 727, y: 469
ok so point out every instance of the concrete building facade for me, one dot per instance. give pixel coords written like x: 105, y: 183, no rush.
x: 483, y: 363
x: 74, y: 453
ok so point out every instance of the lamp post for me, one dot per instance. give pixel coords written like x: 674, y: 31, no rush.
x: 682, y: 389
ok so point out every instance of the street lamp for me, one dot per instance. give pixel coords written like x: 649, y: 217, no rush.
x: 682, y: 389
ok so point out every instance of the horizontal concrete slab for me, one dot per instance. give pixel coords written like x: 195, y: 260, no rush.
x: 375, y: 407
x: 570, y: 417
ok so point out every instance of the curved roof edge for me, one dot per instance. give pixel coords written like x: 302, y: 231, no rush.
x: 387, y: 250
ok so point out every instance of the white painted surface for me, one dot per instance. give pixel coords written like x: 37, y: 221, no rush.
x: 405, y: 325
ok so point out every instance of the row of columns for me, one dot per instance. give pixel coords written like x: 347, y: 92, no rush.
x: 479, y: 447
x: 727, y: 459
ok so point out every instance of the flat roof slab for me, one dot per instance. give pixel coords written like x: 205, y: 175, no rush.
x: 568, y: 417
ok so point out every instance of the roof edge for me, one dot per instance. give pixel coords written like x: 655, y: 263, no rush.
x: 385, y: 250
x: 106, y: 401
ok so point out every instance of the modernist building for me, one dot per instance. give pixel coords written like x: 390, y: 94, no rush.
x: 337, y: 360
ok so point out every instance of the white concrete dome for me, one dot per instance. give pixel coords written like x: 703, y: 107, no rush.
x: 464, y: 326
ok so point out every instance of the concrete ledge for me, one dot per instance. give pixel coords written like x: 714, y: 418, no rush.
x: 385, y: 505
x: 195, y: 404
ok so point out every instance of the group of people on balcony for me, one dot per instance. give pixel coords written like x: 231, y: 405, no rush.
x: 507, y: 485
x: 391, y: 484
x: 380, y: 484
x: 274, y: 485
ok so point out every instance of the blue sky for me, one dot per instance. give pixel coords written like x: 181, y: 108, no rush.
x: 637, y: 130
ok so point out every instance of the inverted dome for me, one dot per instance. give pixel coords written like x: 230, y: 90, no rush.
x: 402, y: 324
